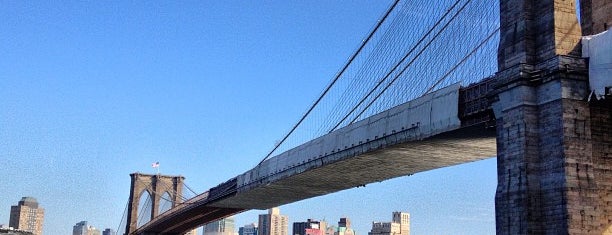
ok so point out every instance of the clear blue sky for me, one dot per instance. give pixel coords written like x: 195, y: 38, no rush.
x: 93, y: 91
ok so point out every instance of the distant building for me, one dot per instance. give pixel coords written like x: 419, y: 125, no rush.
x: 313, y: 231
x: 323, y: 227
x: 6, y: 230
x: 331, y: 230
x: 344, y: 227
x: 249, y: 229
x: 109, y: 231
x: 220, y: 227
x: 81, y: 228
x: 192, y: 232
x: 11, y: 231
x: 273, y: 223
x: 28, y: 216
x: 313, y: 226
x: 399, y: 226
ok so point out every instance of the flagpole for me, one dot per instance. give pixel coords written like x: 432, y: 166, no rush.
x: 156, y: 166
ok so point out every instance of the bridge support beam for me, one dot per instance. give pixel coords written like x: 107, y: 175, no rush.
x: 155, y: 186
x: 554, y: 147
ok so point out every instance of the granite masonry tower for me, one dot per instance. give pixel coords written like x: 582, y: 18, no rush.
x: 554, y: 148
x: 156, y: 186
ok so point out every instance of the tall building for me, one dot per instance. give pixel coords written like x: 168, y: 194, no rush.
x: 403, y: 218
x: 81, y: 228
x: 273, y: 223
x: 299, y: 228
x: 344, y: 227
x: 220, y: 227
x: 323, y: 226
x: 399, y: 226
x: 27, y: 216
x: 109, y: 231
x: 249, y: 229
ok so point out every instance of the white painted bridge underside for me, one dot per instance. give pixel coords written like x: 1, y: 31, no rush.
x: 417, y: 136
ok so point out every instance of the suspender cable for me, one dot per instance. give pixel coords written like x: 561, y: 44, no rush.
x: 395, y: 67
x: 332, y: 82
x: 410, y: 63
x: 462, y: 61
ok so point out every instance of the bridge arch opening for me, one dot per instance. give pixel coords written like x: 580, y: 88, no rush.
x: 145, y: 207
x: 165, y: 202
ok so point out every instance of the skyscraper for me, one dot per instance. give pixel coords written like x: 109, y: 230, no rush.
x: 273, y: 223
x: 27, y: 216
x: 108, y: 231
x: 81, y: 228
x: 403, y: 218
x: 344, y: 227
x: 220, y: 227
x: 399, y: 226
x: 249, y: 229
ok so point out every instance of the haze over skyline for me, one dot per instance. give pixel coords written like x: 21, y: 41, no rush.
x: 93, y: 91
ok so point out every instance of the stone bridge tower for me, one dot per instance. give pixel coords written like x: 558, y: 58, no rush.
x: 554, y: 147
x: 155, y: 186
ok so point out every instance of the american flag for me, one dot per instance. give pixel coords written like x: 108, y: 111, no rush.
x: 155, y: 165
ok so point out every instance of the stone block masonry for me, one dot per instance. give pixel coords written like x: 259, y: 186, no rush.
x: 554, y: 147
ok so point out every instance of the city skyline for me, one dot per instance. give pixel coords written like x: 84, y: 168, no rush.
x: 227, y: 226
x: 92, y: 92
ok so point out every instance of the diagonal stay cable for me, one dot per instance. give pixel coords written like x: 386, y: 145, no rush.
x: 462, y: 60
x: 422, y: 39
x: 142, y: 213
x: 191, y: 190
x: 332, y: 82
x: 173, y: 193
x: 123, y: 217
x: 410, y: 63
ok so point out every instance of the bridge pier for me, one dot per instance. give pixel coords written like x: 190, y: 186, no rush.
x: 554, y: 147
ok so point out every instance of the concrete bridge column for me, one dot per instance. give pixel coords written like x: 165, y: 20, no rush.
x: 554, y: 147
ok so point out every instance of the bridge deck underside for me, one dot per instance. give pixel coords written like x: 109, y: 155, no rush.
x: 339, y: 173
x: 451, y: 148
x: 417, y: 136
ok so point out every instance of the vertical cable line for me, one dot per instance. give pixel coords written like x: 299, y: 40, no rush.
x: 381, y: 51
x: 411, y: 62
x: 462, y: 60
x: 397, y: 65
x: 333, y: 81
